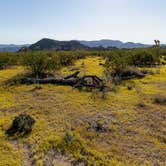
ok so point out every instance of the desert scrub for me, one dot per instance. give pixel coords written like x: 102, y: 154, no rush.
x: 8, y: 59
x: 116, y: 62
x: 72, y: 145
x: 4, y: 61
x: 53, y: 117
x: 22, y: 124
x: 40, y: 63
x: 144, y: 57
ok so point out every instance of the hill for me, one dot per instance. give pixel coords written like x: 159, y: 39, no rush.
x: 50, y: 44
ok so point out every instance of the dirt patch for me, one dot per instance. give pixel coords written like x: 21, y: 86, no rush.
x: 27, y: 155
x: 55, y: 158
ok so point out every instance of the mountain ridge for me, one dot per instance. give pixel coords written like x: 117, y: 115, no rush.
x: 11, y: 47
x: 113, y: 43
x: 51, y: 44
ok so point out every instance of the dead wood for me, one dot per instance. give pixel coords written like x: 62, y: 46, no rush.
x: 71, y: 80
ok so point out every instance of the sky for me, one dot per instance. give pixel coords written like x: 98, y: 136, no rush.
x: 27, y: 21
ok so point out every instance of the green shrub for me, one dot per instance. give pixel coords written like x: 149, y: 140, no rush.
x: 66, y: 58
x: 144, y: 57
x: 4, y: 61
x: 116, y: 62
x: 8, y: 59
x: 40, y: 62
x: 22, y: 124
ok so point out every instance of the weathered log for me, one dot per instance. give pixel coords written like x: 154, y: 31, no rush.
x: 90, y: 81
x: 129, y: 74
x: 71, y: 80
x: 74, y: 75
x: 51, y: 81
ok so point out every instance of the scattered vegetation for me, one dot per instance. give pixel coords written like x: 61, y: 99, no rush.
x: 8, y: 59
x: 126, y: 128
x: 40, y: 63
x: 71, y: 143
x: 121, y: 64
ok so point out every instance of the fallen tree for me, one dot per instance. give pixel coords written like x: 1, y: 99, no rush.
x: 72, y: 80
x: 129, y: 74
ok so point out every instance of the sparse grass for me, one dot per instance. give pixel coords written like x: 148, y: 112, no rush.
x: 88, y: 66
x: 135, y: 135
x: 9, y: 73
x: 72, y: 144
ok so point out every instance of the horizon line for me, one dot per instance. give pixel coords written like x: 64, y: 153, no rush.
x: 123, y: 41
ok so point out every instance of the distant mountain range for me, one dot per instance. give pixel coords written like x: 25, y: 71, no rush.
x: 113, y: 43
x: 50, y: 44
x: 11, y: 47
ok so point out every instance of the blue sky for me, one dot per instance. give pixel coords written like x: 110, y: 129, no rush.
x: 26, y: 21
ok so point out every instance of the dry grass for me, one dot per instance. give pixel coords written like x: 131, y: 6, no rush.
x: 136, y: 135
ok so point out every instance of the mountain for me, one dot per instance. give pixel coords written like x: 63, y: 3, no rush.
x: 113, y: 43
x: 50, y: 44
x: 11, y: 47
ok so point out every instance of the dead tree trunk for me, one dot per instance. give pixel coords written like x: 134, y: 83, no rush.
x: 71, y: 80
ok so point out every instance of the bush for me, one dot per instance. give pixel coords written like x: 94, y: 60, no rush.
x: 116, y: 62
x: 120, y: 63
x: 22, y: 124
x: 41, y: 62
x: 72, y: 143
x: 7, y: 59
x: 144, y: 57
x: 66, y: 58
x: 4, y: 61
